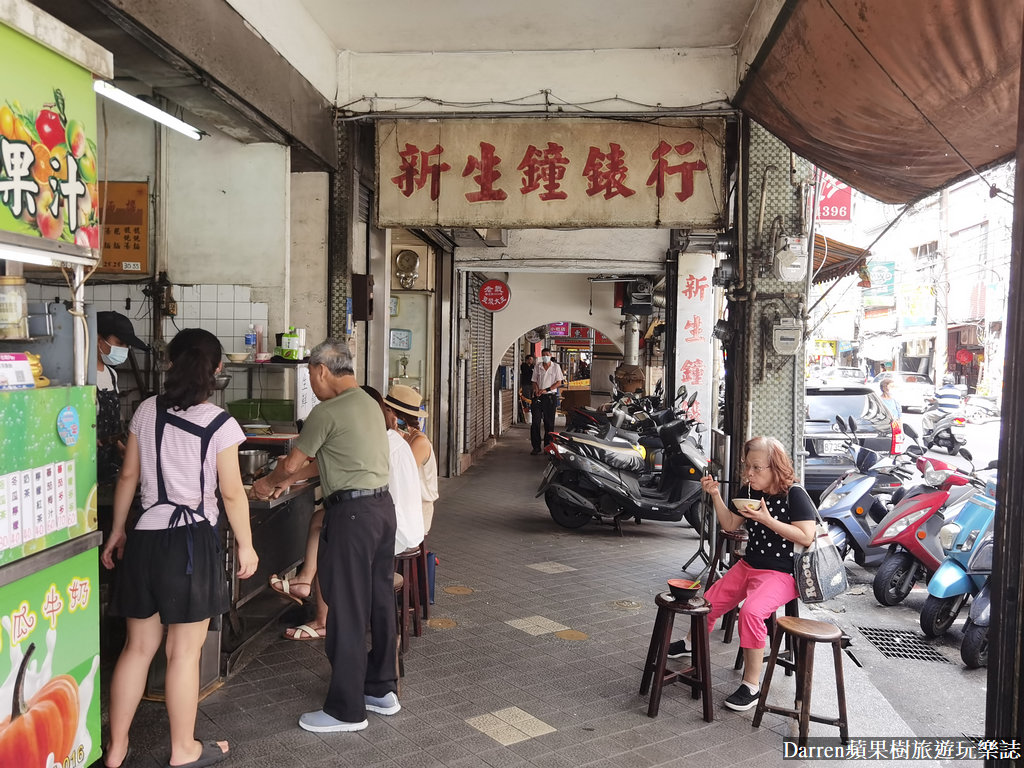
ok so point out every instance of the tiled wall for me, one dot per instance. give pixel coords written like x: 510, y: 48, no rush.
x: 224, y: 310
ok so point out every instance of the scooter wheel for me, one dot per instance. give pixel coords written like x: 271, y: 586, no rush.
x: 888, y: 585
x: 939, y: 613
x: 974, y: 648
x: 564, y: 515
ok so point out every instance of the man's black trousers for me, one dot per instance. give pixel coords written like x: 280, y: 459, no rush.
x: 543, y: 407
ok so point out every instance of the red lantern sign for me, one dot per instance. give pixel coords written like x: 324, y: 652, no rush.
x: 494, y: 295
x: 964, y: 356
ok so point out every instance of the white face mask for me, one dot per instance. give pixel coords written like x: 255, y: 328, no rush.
x: 545, y: 359
x: 115, y: 356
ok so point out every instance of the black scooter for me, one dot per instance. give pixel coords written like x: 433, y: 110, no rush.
x: 589, y: 479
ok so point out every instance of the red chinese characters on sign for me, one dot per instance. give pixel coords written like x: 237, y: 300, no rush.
x: 691, y: 372
x: 835, y: 200
x: 487, y: 173
x: 53, y: 605
x: 684, y: 169
x: 417, y: 166
x: 544, y: 168
x: 694, y: 329
x: 580, y: 332
x: 494, y: 295
x: 78, y: 594
x: 600, y: 338
x: 23, y: 621
x: 606, y: 173
x: 695, y: 287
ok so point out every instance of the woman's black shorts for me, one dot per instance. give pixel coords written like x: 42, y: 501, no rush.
x: 152, y: 578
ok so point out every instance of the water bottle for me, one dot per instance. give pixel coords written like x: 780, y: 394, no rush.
x: 250, y: 340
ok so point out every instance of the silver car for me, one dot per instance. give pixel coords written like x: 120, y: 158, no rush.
x: 911, y: 390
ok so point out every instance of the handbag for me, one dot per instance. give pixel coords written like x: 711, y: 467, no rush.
x: 818, y: 569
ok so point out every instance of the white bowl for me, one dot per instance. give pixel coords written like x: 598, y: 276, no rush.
x: 237, y: 357
x: 746, y: 504
x: 262, y: 357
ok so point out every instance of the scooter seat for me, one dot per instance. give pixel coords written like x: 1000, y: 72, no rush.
x: 615, y: 455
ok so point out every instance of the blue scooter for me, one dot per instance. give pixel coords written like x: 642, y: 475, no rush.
x: 952, y: 585
x: 852, y: 506
x: 974, y: 646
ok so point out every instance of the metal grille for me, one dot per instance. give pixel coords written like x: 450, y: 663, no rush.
x: 899, y: 644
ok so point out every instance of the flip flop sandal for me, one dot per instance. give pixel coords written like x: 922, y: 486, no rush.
x: 304, y: 633
x: 211, y: 754
x: 283, y: 587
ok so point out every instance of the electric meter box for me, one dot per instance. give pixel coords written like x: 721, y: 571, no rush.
x: 786, y: 336
x: 790, y: 262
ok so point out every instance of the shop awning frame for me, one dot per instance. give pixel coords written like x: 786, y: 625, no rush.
x: 833, y: 259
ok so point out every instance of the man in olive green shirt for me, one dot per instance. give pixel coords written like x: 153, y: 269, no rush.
x: 355, y: 561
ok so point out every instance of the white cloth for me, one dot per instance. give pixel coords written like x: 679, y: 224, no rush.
x: 106, y: 380
x: 403, y: 482
x: 546, y: 378
x: 428, y: 477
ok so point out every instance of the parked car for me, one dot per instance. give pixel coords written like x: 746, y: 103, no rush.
x: 837, y: 374
x: 911, y: 389
x: 827, y: 457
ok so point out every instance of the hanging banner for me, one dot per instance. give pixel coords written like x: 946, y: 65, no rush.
x: 551, y: 173
x: 47, y: 144
x: 694, y: 323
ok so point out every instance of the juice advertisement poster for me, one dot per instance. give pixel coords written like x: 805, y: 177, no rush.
x: 48, y: 169
x: 49, y: 662
x: 47, y: 487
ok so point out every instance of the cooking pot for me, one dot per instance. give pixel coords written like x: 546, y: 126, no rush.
x: 251, y: 462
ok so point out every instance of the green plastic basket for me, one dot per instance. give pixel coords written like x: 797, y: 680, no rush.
x: 254, y: 409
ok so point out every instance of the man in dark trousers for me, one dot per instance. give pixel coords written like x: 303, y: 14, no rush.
x: 525, y: 385
x: 356, y: 557
x: 547, y: 378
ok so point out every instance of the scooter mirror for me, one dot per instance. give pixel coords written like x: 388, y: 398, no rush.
x: 915, y: 450
x: 853, y: 426
x: 909, y: 429
x: 966, y: 454
x: 994, y: 464
x: 840, y: 424
x: 692, y: 400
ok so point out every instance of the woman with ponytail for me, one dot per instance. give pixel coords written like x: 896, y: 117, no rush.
x: 183, y: 448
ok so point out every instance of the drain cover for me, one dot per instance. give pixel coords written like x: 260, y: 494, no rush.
x: 899, y: 644
x: 628, y: 605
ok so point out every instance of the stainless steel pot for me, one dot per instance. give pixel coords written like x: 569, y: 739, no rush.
x: 251, y: 462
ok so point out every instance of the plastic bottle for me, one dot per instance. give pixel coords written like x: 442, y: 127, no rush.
x: 250, y: 340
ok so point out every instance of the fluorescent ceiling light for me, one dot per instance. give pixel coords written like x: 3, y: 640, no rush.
x: 41, y: 258
x: 104, y: 88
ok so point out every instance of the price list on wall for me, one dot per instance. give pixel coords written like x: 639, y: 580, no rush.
x: 125, y: 227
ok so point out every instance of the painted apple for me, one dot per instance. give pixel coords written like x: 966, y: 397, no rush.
x: 87, y: 167
x: 50, y: 129
x: 76, y: 137
x: 50, y: 226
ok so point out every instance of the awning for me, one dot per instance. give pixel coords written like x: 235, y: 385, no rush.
x: 833, y: 259
x: 898, y: 99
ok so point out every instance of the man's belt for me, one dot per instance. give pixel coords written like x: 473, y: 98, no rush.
x: 357, y: 493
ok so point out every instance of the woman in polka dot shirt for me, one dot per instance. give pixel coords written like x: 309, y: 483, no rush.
x: 763, y: 579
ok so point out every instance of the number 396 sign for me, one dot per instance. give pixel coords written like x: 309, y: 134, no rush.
x: 835, y: 200
x: 494, y: 295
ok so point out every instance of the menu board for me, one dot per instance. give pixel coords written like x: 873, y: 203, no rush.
x: 125, y: 210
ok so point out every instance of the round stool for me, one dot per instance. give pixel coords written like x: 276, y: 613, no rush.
x: 698, y: 674
x: 787, y: 658
x: 399, y: 583
x: 728, y: 546
x: 405, y: 564
x: 805, y: 633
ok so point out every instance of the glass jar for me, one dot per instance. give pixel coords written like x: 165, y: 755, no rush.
x: 13, y: 307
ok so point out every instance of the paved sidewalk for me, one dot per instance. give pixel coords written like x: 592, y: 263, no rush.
x: 538, y: 663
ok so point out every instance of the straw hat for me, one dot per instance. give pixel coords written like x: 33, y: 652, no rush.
x: 405, y: 400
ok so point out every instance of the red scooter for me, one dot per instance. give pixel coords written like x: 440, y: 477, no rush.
x: 911, y: 529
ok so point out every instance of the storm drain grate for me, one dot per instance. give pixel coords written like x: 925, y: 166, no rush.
x: 899, y: 644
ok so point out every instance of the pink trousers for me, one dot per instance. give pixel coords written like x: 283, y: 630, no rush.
x: 760, y: 591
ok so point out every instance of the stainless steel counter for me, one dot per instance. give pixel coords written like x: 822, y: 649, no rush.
x: 294, y: 491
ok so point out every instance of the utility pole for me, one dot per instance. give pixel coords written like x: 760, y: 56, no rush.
x: 942, y: 293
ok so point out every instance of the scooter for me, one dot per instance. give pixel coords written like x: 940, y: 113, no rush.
x: 910, y: 530
x: 947, y: 431
x: 951, y: 586
x: 851, y: 507
x: 974, y: 646
x: 979, y: 409
x: 589, y: 481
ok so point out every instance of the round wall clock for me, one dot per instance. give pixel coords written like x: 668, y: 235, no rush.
x: 407, y: 265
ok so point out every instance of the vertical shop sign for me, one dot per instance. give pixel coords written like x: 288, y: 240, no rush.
x: 835, y: 199
x: 48, y: 178
x: 125, y: 227
x: 694, y: 322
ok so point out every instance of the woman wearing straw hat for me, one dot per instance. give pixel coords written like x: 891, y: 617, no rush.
x: 407, y: 403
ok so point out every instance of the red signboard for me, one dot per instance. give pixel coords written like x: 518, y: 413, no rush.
x: 835, y: 199
x: 600, y: 338
x: 580, y: 332
x: 494, y: 295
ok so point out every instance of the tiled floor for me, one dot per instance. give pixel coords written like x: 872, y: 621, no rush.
x: 492, y: 682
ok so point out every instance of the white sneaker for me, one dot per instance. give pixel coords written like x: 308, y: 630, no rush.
x: 386, y: 705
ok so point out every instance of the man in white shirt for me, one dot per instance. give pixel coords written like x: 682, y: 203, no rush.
x: 547, y: 378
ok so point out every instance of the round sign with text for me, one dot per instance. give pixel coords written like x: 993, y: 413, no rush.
x: 494, y: 295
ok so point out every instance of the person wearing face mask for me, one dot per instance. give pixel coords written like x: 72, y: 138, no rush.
x: 114, y: 335
x: 547, y: 378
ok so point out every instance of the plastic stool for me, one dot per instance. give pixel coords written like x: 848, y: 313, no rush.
x: 698, y: 674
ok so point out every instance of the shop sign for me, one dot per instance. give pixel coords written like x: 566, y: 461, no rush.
x: 835, y: 199
x: 582, y: 332
x: 600, y: 338
x: 558, y: 329
x: 694, y: 323
x: 494, y: 295
x: 47, y: 487
x: 882, y: 274
x: 916, y: 306
x: 551, y: 173
x: 50, y: 632
x: 48, y: 177
x: 125, y: 227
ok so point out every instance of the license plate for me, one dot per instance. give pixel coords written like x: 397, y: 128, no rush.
x: 546, y: 480
x: 833, y: 446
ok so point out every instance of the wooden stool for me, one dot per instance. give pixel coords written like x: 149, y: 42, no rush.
x: 405, y: 564
x: 728, y: 543
x: 424, y: 578
x: 698, y: 674
x: 806, y: 633
x: 786, y: 658
x: 399, y: 656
